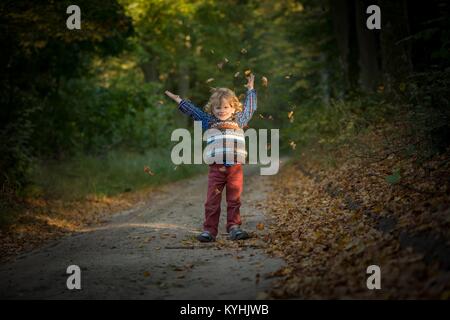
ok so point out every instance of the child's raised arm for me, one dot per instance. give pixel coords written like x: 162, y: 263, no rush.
x: 174, y: 97
x: 188, y: 108
x: 250, y: 81
x: 249, y: 103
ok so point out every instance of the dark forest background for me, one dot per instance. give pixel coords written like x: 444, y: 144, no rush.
x: 83, y: 111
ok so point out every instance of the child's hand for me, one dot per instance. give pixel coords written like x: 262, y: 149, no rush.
x: 250, y: 81
x: 174, y: 97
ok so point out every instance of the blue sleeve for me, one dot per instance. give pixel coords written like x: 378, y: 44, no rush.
x: 188, y: 108
x: 249, y: 108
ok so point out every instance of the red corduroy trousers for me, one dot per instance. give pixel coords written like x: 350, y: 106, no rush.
x: 220, y: 176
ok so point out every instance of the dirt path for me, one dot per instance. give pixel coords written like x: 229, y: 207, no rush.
x: 150, y: 253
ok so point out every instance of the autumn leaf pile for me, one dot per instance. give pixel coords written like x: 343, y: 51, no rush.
x: 328, y: 243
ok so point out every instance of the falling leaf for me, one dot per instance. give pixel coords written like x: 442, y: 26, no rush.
x: 40, y: 44
x: 264, y: 81
x: 217, y: 191
x: 270, y: 117
x: 290, y: 114
x: 260, y: 226
x: 236, y: 74
x: 247, y: 73
x: 261, y: 116
x: 147, y: 170
x: 210, y: 80
x: 293, y: 145
x: 244, y: 51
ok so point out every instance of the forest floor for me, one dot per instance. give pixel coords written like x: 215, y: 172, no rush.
x: 150, y: 252
x: 333, y: 222
x: 315, y: 231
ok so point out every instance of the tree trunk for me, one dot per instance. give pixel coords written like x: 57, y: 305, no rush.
x: 150, y: 70
x: 324, y: 80
x: 343, y: 16
x: 183, y: 87
x: 396, y: 54
x: 183, y: 80
x: 369, y: 49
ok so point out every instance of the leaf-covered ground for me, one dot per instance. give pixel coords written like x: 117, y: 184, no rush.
x: 334, y: 222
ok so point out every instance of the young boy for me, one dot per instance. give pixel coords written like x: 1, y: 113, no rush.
x: 225, y: 113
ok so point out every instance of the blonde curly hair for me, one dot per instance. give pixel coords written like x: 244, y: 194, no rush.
x: 216, y: 99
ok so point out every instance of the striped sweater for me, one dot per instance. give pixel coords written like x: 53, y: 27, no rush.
x: 225, y: 144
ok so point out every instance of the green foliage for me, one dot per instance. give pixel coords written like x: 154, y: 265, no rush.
x: 115, y: 172
x: 429, y: 110
x: 93, y: 119
x: 71, y: 94
x: 38, y: 51
x: 339, y: 122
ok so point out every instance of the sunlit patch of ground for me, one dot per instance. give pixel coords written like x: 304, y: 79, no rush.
x: 45, y: 220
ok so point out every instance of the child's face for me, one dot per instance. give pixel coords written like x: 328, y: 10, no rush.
x: 224, y: 111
